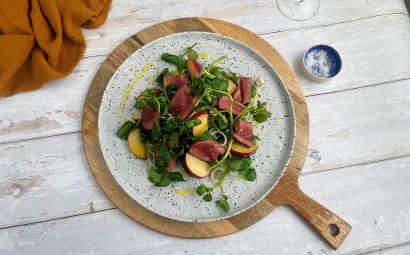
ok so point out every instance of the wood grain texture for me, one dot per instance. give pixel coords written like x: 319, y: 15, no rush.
x: 263, y: 17
x: 340, y: 141
x: 41, y: 179
x: 285, y: 192
x: 367, y: 61
x: 373, y: 200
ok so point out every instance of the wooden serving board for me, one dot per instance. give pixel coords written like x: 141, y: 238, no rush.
x: 287, y: 192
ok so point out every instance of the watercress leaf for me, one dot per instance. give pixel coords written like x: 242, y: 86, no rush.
x: 217, y: 72
x: 165, y: 180
x: 198, y: 86
x: 253, y: 91
x: 233, y: 77
x: 170, y: 90
x: 181, y: 67
x: 170, y: 125
x: 149, y: 93
x: 201, y: 189
x: 154, y: 176
x: 161, y: 170
x: 173, y: 139
x: 250, y: 174
x: 223, y: 204
x: 173, y: 59
x: 219, y: 84
x: 225, y: 197
x: 124, y: 130
x: 175, y: 72
x: 164, y: 155
x: 141, y: 103
x: 191, y: 54
x: 239, y: 164
x: 179, y: 151
x: 207, y: 197
x: 206, y: 136
x: 261, y: 114
x: 156, y: 131
x: 176, y: 177
x: 164, y: 108
x: 219, y: 123
x: 160, y: 78
x: 260, y: 117
x: 192, y: 123
x: 188, y: 136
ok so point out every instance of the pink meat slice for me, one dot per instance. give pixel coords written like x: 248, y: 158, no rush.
x: 237, y: 95
x: 148, y: 116
x: 178, y: 80
x: 243, y: 132
x: 207, y: 150
x: 224, y: 104
x: 244, y: 90
x: 171, y: 164
x: 183, y: 102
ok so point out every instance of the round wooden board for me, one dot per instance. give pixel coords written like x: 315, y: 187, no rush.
x: 285, y: 192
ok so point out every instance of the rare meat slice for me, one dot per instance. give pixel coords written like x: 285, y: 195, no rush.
x: 237, y: 95
x: 224, y: 104
x: 244, y: 90
x: 182, y: 103
x: 207, y: 150
x: 171, y: 164
x: 148, y: 116
x: 177, y: 80
x: 243, y: 132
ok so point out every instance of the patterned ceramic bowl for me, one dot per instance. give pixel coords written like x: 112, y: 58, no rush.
x: 321, y: 63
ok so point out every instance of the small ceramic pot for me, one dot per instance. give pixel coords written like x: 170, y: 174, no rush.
x: 321, y: 63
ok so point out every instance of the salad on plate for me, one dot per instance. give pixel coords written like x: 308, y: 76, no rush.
x: 202, y: 116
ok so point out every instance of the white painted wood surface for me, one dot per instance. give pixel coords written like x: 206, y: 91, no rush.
x: 365, y: 47
x: 358, y: 163
x: 369, y: 197
x: 36, y: 173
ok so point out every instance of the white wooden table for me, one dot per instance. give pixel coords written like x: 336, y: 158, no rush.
x: 358, y: 162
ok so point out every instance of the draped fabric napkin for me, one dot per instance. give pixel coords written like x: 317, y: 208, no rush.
x: 41, y: 40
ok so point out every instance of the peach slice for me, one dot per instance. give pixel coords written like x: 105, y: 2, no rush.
x: 136, y: 146
x: 196, y: 167
x: 194, y: 68
x: 240, y: 150
x: 231, y: 87
x: 199, y: 130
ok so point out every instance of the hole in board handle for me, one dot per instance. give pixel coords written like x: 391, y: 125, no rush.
x: 333, y: 229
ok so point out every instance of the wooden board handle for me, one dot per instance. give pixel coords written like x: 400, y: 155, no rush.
x: 330, y: 226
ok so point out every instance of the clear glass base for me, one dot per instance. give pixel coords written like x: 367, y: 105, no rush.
x: 298, y: 10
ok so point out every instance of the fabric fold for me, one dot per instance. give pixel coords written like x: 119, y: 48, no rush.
x: 41, y: 40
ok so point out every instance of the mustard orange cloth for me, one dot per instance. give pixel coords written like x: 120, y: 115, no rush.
x: 41, y: 40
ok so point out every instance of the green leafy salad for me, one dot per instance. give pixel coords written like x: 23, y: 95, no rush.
x: 202, y: 116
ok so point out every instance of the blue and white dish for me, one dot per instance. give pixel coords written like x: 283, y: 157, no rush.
x: 321, y: 63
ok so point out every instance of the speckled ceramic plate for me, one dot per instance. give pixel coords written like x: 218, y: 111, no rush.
x: 277, y: 134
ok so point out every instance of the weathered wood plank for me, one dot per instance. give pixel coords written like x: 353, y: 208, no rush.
x: 357, y: 126
x: 372, y: 199
x: 344, y: 130
x: 46, y: 178
x: 373, y: 51
x: 263, y: 16
x: 55, y: 109
x: 397, y: 250
x: 365, y: 46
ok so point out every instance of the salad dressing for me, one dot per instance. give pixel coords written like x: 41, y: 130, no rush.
x: 131, y: 87
x: 203, y: 55
x: 184, y: 192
